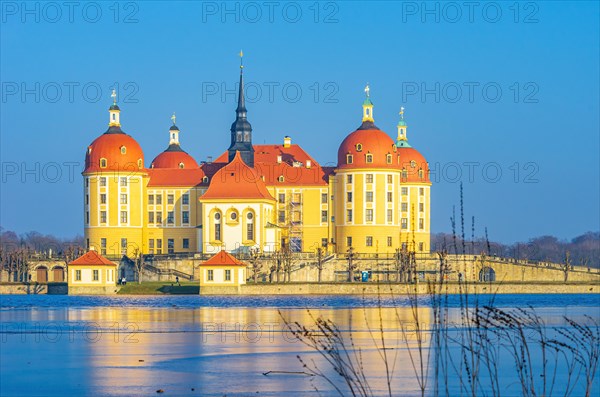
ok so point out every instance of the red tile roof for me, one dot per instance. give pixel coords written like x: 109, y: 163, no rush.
x: 92, y: 258
x: 176, y: 177
x: 223, y: 258
x: 237, y: 180
x: 294, y: 166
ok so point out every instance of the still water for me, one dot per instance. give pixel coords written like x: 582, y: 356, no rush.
x: 217, y: 346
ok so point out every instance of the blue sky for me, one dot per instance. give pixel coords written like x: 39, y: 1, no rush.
x: 500, y: 87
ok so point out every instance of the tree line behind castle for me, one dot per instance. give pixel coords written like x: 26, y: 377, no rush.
x: 19, y: 253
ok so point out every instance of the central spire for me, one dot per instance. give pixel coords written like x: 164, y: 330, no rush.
x: 241, y: 130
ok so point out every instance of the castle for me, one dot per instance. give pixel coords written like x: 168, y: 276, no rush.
x: 266, y: 197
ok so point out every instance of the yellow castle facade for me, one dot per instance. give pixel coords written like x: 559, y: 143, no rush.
x: 264, y: 197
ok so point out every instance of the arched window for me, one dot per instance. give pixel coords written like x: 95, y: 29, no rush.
x: 250, y: 226
x: 181, y: 165
x: 123, y: 150
x: 218, y: 226
x: 421, y: 173
x: 359, y: 147
x: 204, y: 179
x: 281, y: 178
x: 349, y: 159
x: 404, y: 174
x: 487, y: 274
x: 102, y: 163
x: 369, y: 158
x: 388, y: 158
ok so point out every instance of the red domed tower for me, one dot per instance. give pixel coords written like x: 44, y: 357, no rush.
x: 114, y: 181
x: 174, y: 156
x: 381, y: 190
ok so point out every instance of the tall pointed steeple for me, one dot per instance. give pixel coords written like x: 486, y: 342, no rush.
x: 241, y: 130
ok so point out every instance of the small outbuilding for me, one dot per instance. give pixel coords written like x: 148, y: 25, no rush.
x: 92, y: 274
x: 224, y: 271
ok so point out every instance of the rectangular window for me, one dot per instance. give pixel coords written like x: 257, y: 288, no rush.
x: 282, y: 198
x: 96, y: 275
x: 87, y: 182
x: 348, y: 178
x: 102, y: 246
x: 159, y: 246
x: 171, y: 245
x: 185, y: 217
x: 78, y: 275
x: 404, y: 223
x: 217, y: 231
x: 281, y: 216
x: 151, y: 199
x: 186, y: 243
x: 227, y: 275
x: 87, y: 199
x: 421, y: 191
x: 87, y: 244
x: 404, y: 246
x: 123, y: 246
x: 369, y: 197
x: 369, y: 215
x: 421, y: 224
x: 324, y: 216
x: 349, y: 196
x: 185, y: 199
x: 420, y: 246
x: 250, y: 231
x: 102, y: 216
x: 102, y: 181
x: 123, y: 198
x: 389, y: 178
x: 170, y: 217
x: 390, y: 216
x: 369, y: 178
x: 323, y: 198
x: 349, y: 241
x: 390, y: 197
x: 159, y: 199
x: 369, y: 241
x: 123, y: 181
x: 324, y: 242
x: 421, y: 207
x: 170, y: 199
x: 210, y: 275
x: 404, y: 207
x: 389, y: 241
x: 349, y: 215
x: 159, y: 217
x: 151, y: 246
x: 103, y: 198
x: 123, y: 216
x: 405, y: 191
x: 150, y: 217
x: 87, y: 217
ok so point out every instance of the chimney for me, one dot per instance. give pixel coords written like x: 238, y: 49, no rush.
x: 209, y: 159
x: 287, y: 141
x: 279, y: 159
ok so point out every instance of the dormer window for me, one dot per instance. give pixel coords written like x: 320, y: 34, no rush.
x: 369, y: 158
x: 421, y: 173
x: 359, y: 147
x: 205, y: 179
x: 281, y: 178
x: 123, y: 150
x: 404, y: 174
x: 89, y: 150
x: 413, y: 164
x: 388, y: 158
x: 349, y: 159
x: 181, y: 165
x: 140, y: 163
x: 102, y: 163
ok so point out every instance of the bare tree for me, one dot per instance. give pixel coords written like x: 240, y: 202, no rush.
x: 444, y: 267
x: 286, y: 262
x: 320, y: 263
x: 351, y: 266
x: 567, y: 265
x: 256, y: 263
x: 139, y: 263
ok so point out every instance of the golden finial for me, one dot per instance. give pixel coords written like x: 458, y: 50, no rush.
x: 114, y: 96
x: 367, y: 90
x: 241, y: 59
x: 173, y: 118
x: 401, y: 112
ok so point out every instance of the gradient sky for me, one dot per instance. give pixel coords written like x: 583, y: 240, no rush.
x: 165, y: 57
